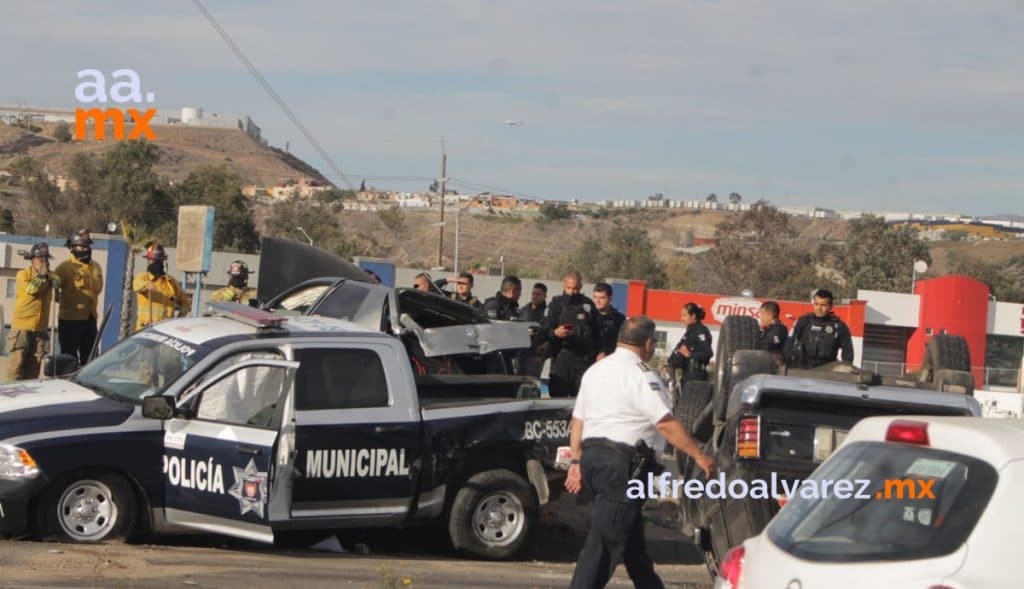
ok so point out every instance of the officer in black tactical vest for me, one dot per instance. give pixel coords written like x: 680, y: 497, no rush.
x: 693, y: 352
x: 818, y: 337
x: 570, y: 324
x: 773, y: 332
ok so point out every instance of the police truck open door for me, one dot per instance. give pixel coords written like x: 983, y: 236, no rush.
x: 221, y: 461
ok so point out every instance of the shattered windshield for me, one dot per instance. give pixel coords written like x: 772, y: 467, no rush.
x: 143, y: 365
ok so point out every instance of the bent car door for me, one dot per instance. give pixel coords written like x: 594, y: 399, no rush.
x: 218, y: 465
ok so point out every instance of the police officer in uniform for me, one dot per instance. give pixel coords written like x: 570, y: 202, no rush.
x: 693, y: 352
x: 570, y: 324
x: 621, y: 403
x: 818, y: 337
x: 504, y: 305
x: 237, y: 290
x: 82, y: 279
x: 158, y: 295
x: 463, y: 289
x: 773, y: 333
x: 609, y: 319
x: 28, y: 342
x: 531, y: 360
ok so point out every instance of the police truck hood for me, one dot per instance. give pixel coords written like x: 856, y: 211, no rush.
x: 29, y: 407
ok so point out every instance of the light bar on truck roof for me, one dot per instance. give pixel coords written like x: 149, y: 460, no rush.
x: 246, y: 314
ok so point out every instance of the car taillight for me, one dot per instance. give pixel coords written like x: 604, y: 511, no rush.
x: 908, y: 432
x: 732, y: 567
x: 748, y: 438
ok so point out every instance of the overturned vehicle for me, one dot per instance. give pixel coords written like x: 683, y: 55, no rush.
x: 762, y: 422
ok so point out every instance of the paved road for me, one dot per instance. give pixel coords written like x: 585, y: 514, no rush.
x: 32, y: 564
x: 419, y: 556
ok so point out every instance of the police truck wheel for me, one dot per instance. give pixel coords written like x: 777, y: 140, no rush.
x: 737, y: 333
x: 492, y: 514
x: 88, y: 508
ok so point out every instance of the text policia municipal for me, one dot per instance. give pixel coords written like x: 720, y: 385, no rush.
x: 662, y: 487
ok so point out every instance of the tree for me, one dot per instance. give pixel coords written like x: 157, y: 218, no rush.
x: 287, y: 215
x: 735, y: 198
x: 876, y: 256
x: 552, y: 212
x: 757, y: 250
x: 1003, y: 280
x: 392, y: 217
x: 219, y: 187
x: 362, y: 186
x: 623, y: 252
x: 680, y: 273
x: 6, y: 221
x: 62, y: 132
x: 711, y: 198
x: 130, y: 187
x: 435, y: 187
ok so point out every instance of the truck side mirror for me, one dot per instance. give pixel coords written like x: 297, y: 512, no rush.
x: 59, y: 365
x: 158, y: 407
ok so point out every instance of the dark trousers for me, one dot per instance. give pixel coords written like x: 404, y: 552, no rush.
x: 566, y: 373
x: 77, y: 338
x: 616, y: 532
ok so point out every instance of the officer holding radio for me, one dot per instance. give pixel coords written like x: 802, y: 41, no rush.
x: 570, y: 324
x: 620, y: 415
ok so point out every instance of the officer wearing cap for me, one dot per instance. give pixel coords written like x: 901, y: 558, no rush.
x: 237, y: 290
x: 159, y: 296
x: 621, y: 403
x: 818, y: 337
x: 82, y: 278
x: 28, y: 341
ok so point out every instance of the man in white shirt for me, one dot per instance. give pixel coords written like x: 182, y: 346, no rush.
x: 621, y: 402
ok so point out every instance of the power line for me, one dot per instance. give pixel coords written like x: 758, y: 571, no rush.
x: 270, y: 90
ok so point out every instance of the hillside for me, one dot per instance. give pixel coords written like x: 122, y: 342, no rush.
x: 184, y: 149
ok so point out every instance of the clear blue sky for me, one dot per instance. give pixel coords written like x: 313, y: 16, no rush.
x: 873, y: 105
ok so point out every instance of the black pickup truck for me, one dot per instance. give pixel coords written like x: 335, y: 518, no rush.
x: 250, y: 424
x: 760, y: 421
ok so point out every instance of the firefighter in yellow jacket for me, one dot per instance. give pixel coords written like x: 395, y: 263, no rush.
x: 159, y: 296
x: 237, y: 290
x: 28, y: 341
x: 82, y: 278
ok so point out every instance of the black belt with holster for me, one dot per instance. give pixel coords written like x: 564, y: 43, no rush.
x: 640, y: 456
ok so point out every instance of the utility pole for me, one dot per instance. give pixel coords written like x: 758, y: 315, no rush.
x: 458, y: 214
x: 441, y: 181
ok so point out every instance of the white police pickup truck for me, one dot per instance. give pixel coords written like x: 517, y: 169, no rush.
x: 248, y: 424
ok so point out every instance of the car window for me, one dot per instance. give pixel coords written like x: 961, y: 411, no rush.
x: 142, y: 365
x: 918, y: 502
x: 247, y: 396
x: 336, y: 378
x: 344, y: 302
x: 298, y: 302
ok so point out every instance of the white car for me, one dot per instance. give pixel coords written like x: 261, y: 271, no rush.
x: 936, y: 504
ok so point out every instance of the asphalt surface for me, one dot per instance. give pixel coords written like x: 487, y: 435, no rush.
x: 377, y: 559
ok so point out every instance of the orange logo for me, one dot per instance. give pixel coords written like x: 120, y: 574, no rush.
x: 126, y: 90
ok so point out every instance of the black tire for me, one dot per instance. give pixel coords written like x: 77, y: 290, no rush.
x: 105, y: 503
x: 493, y: 514
x: 690, y: 403
x: 945, y: 352
x: 737, y: 333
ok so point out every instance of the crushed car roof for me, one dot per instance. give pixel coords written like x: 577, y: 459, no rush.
x: 200, y: 330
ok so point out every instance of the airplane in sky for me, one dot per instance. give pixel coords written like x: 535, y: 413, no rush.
x: 514, y: 123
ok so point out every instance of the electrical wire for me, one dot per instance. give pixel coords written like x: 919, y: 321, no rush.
x: 274, y: 95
